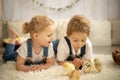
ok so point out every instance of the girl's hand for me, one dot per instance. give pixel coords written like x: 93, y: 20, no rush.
x: 41, y: 67
x: 34, y: 68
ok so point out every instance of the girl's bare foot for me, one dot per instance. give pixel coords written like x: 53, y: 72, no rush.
x: 14, y: 34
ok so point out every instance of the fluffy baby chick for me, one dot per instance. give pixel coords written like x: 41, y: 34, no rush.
x: 87, y: 67
x: 19, y: 38
x: 97, y: 64
x: 74, y: 75
x: 69, y: 67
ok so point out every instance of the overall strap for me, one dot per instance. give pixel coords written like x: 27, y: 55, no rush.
x: 68, y: 42
x: 29, y: 52
x: 29, y: 47
x: 45, y: 52
x: 45, y: 55
x: 82, y: 52
x: 55, y: 45
x: 71, y: 57
x: 83, y: 49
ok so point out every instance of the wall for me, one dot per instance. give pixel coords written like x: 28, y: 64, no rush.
x: 0, y: 20
x: 93, y: 9
x: 0, y: 10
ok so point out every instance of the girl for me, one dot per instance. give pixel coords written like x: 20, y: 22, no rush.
x: 36, y: 51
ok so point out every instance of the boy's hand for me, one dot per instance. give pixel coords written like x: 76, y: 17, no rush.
x: 78, y: 62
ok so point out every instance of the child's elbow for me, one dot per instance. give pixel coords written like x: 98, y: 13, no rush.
x: 60, y: 62
x: 17, y: 67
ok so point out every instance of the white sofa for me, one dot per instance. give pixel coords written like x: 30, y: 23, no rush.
x: 103, y: 33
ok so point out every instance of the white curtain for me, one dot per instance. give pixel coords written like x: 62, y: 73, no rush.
x: 93, y: 9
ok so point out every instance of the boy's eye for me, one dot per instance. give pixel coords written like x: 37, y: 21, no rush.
x: 83, y: 40
x: 75, y: 40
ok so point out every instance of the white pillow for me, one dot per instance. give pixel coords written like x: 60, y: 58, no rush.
x: 17, y: 26
x: 115, y: 32
x: 61, y: 27
x: 100, y: 34
x: 0, y: 32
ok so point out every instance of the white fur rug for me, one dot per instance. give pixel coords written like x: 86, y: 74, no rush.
x: 110, y: 71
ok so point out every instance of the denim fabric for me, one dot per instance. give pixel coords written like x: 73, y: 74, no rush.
x: 29, y: 50
x: 55, y: 45
x: 9, y: 53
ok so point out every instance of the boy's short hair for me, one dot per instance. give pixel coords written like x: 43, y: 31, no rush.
x: 78, y: 23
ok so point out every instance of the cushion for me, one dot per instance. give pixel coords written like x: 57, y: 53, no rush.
x: 61, y: 26
x: 0, y: 32
x: 17, y: 26
x: 115, y: 32
x: 100, y: 34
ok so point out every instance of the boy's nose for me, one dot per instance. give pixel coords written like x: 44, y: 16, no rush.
x: 51, y: 39
x: 80, y: 44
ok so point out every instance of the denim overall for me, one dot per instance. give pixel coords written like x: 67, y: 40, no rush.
x: 11, y: 55
x: 29, y: 56
x: 71, y: 56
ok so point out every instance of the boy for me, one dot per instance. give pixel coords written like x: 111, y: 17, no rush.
x: 75, y: 47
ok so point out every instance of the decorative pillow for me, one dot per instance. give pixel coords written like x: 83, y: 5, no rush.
x: 0, y: 32
x: 115, y: 32
x: 17, y: 26
x: 61, y: 26
x: 100, y: 34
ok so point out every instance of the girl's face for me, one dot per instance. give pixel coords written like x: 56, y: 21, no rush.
x: 44, y: 38
x: 78, y: 39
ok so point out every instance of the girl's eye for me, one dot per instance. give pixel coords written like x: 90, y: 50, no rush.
x: 49, y: 35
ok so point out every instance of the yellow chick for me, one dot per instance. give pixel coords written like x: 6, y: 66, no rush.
x: 19, y: 38
x: 97, y: 64
x: 69, y: 67
x: 74, y: 75
x: 87, y: 68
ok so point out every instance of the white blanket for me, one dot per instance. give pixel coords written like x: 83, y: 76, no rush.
x: 110, y: 71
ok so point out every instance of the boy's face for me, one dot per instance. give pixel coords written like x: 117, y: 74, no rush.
x: 78, y: 39
x: 45, y: 37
